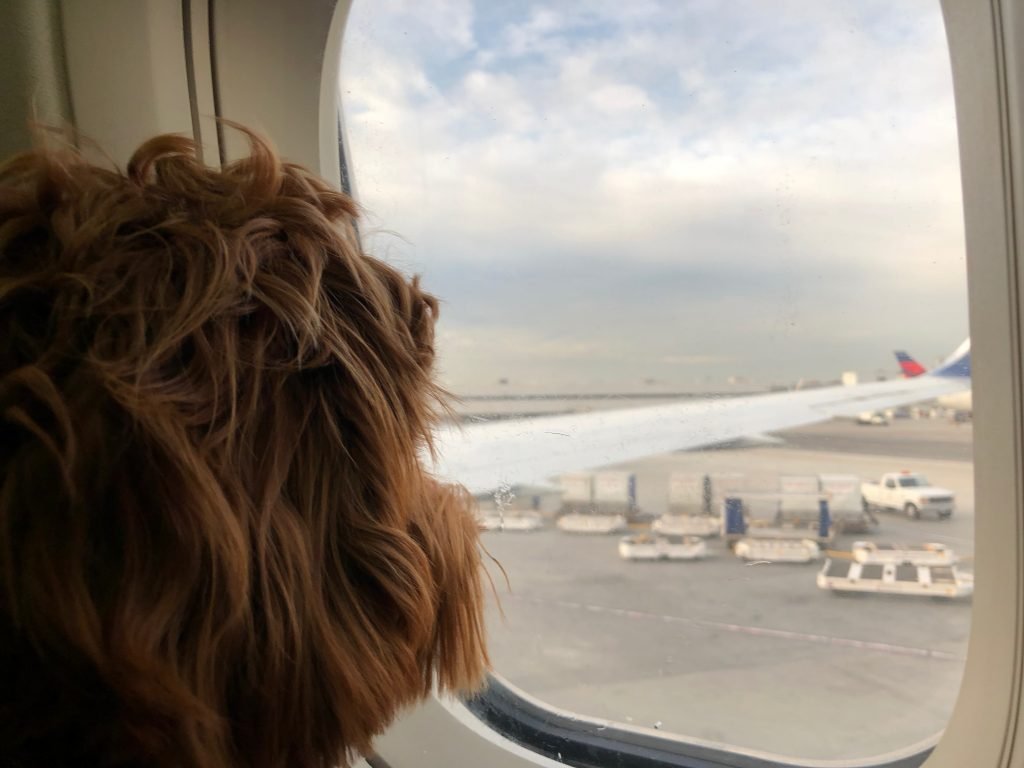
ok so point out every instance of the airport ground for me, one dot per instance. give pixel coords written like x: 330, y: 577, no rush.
x: 752, y: 656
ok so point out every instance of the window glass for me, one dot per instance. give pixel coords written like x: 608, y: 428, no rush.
x: 628, y: 205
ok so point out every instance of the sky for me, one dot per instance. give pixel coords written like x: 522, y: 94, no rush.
x: 686, y: 195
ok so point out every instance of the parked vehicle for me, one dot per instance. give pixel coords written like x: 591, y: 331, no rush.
x: 647, y: 547
x: 873, y: 419
x: 907, y: 492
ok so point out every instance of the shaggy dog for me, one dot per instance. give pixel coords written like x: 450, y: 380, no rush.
x: 218, y: 545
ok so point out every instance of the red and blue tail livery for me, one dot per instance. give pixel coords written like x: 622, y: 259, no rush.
x: 956, y: 366
x: 909, y: 365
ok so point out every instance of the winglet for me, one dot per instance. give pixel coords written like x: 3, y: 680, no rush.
x: 957, y: 365
x: 909, y: 365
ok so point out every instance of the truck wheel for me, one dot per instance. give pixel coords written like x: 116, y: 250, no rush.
x: 912, y: 511
x: 946, y: 515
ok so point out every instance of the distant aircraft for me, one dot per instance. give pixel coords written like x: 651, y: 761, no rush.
x: 909, y: 365
x: 959, y: 401
x: 489, y: 456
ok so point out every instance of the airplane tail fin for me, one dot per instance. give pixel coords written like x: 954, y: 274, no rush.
x: 957, y: 365
x: 909, y: 365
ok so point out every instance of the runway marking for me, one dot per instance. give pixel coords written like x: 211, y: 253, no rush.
x: 782, y: 634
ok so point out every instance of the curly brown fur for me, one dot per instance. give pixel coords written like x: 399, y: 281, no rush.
x: 218, y: 545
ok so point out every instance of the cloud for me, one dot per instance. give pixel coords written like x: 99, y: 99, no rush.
x: 617, y: 97
x: 780, y: 185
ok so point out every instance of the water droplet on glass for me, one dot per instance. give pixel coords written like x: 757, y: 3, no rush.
x: 503, y: 498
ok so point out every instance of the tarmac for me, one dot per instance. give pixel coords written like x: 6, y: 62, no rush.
x: 752, y: 656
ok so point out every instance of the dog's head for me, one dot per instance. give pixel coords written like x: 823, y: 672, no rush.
x: 218, y: 544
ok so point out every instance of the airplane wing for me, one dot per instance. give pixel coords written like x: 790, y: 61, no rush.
x: 488, y: 456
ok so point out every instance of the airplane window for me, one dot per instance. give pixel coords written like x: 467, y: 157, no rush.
x: 657, y: 230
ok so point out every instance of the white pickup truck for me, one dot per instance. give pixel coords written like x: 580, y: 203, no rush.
x: 907, y: 492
